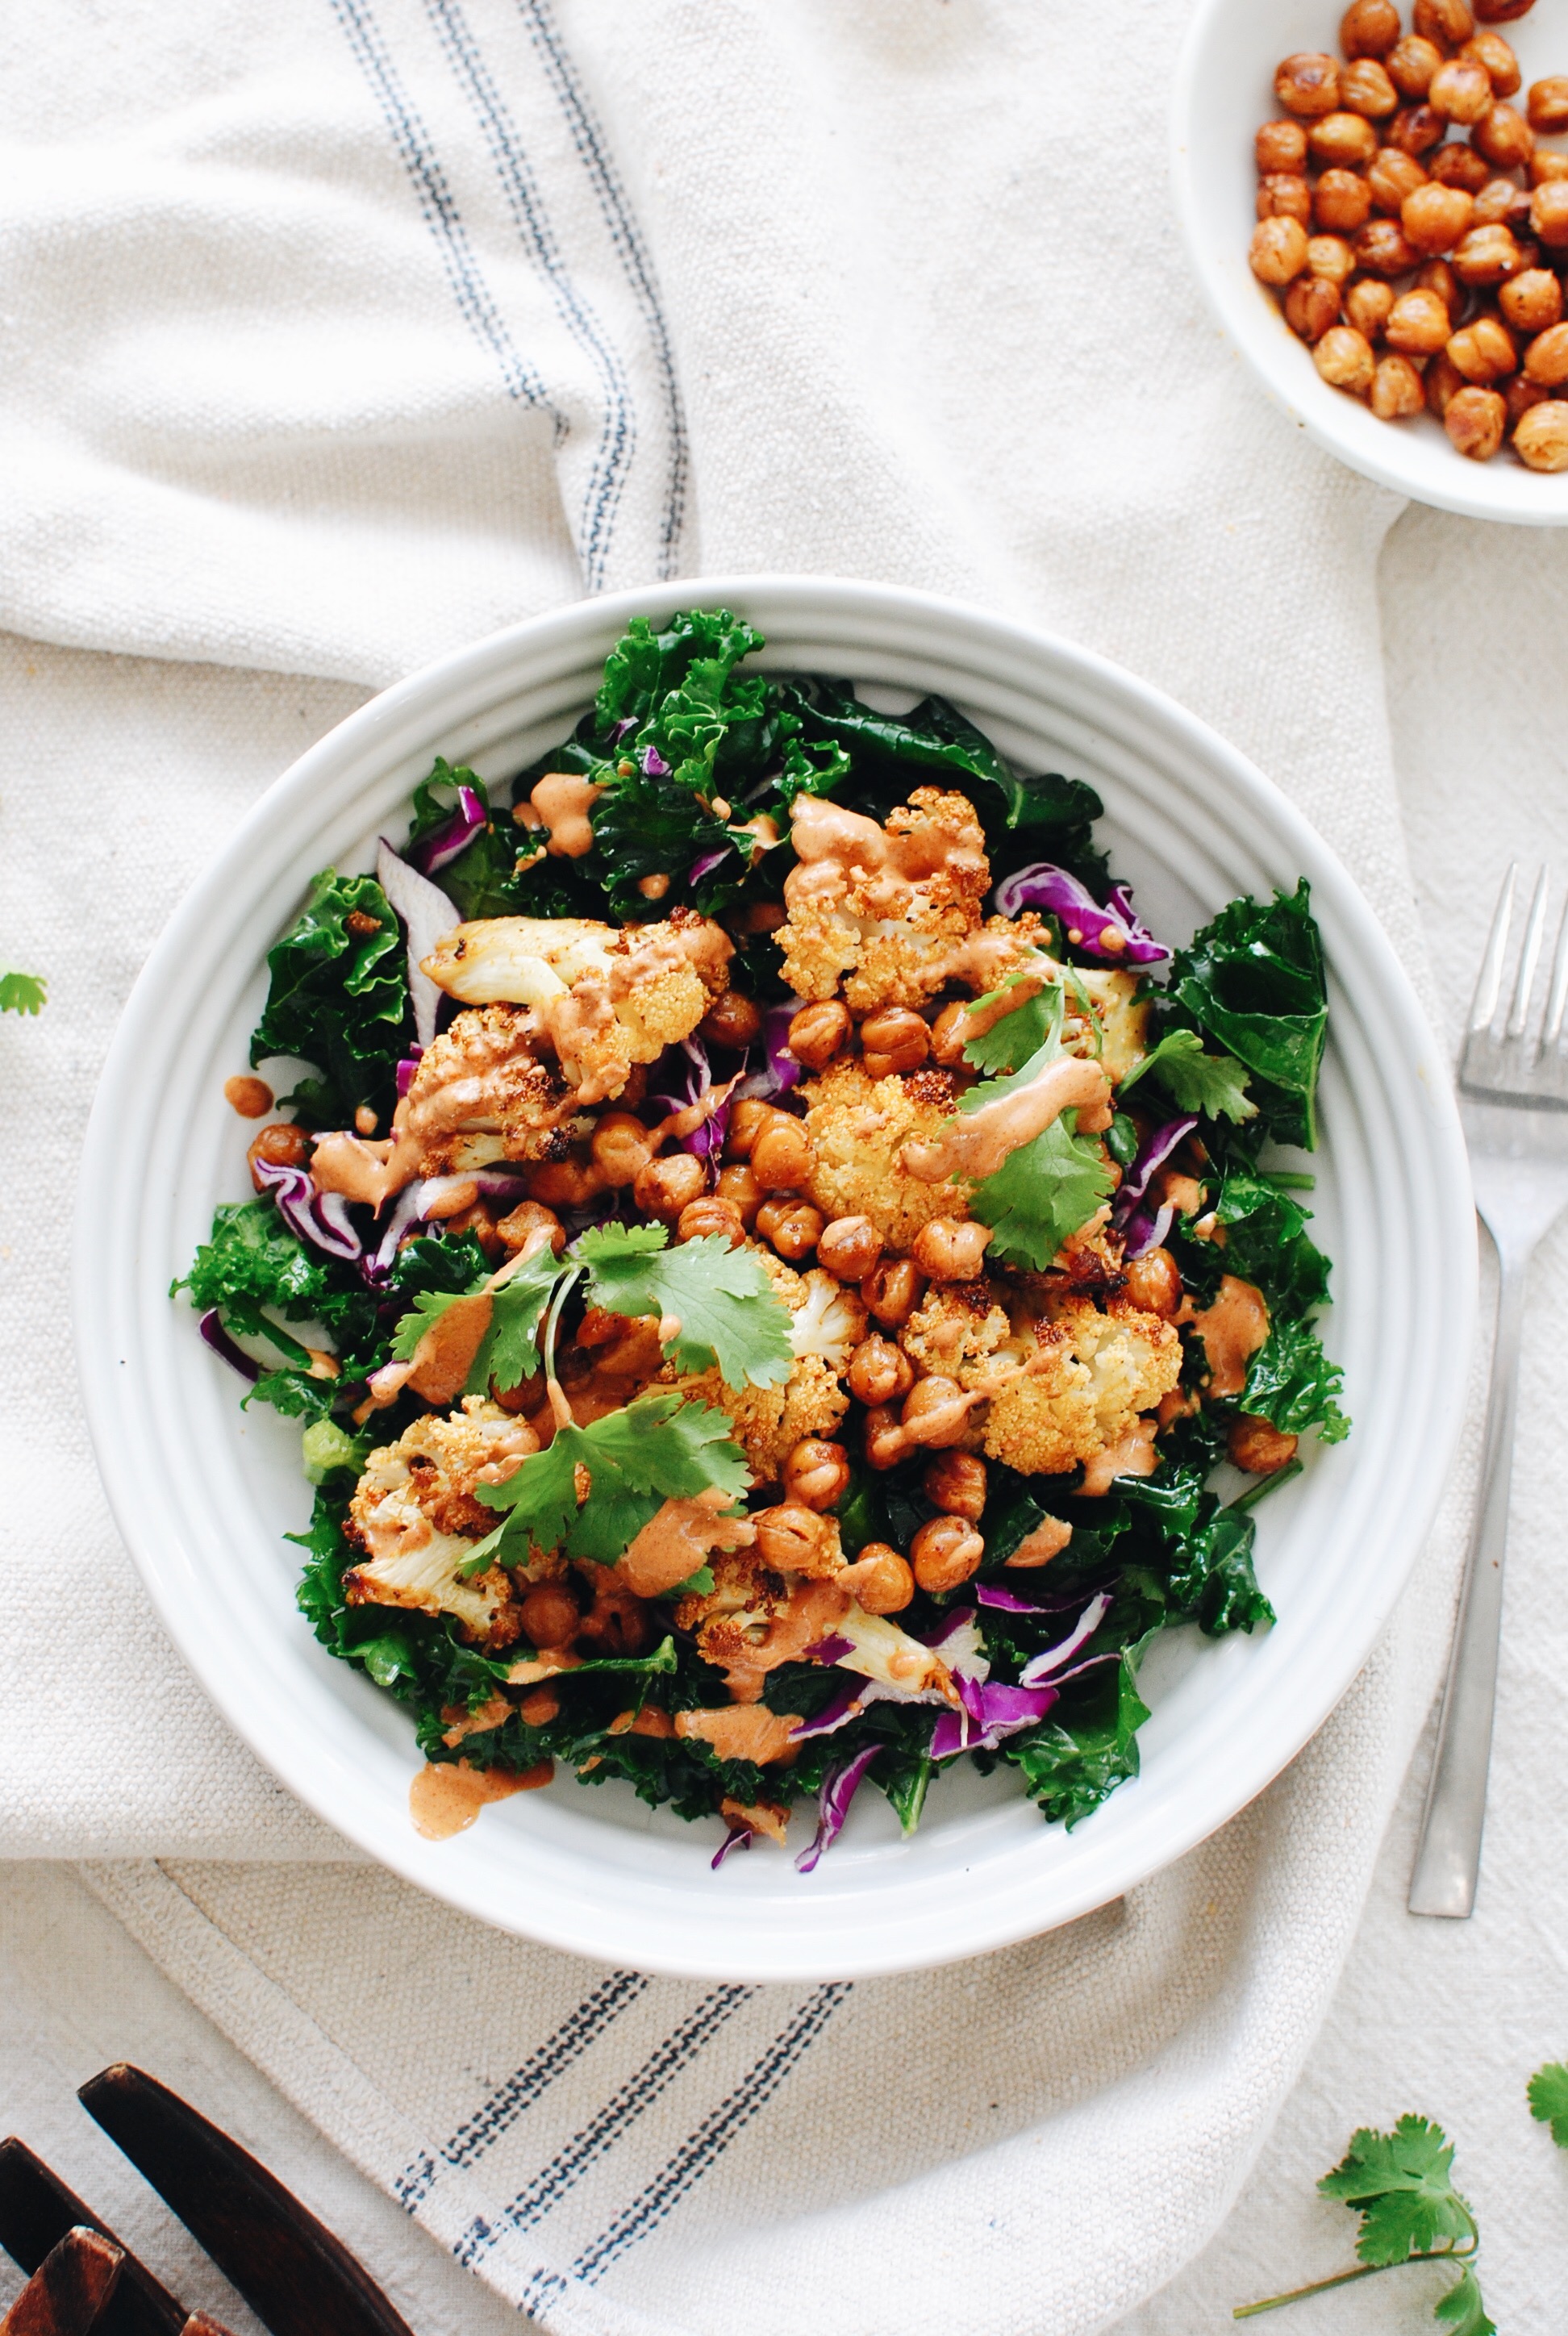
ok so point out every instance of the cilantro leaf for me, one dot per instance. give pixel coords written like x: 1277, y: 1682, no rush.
x: 1401, y: 2184
x: 1213, y: 1085
x: 722, y: 1298
x: 662, y: 1448
x: 1463, y: 2308
x: 21, y: 993
x: 1041, y: 1193
x: 1030, y: 1034
x: 507, y: 1354
x: 1548, y: 2094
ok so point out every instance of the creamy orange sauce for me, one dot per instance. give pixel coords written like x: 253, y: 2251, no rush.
x: 814, y: 1610
x: 495, y: 1713
x: 1133, y: 1455
x: 563, y: 800
x: 446, y: 1796
x: 1233, y: 1329
x: 743, y: 1731
x: 654, y: 887
x: 681, y: 1537
x: 250, y: 1097
x: 976, y: 1144
x: 1048, y: 1540
x: 349, y: 1164
x: 825, y: 833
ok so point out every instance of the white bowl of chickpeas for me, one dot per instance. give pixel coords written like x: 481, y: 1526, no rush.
x: 1376, y: 202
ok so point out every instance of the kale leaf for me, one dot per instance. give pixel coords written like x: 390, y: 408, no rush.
x: 1088, y: 1745
x: 339, y: 998
x: 1253, y: 979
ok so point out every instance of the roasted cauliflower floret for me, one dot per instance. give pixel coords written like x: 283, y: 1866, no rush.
x: 415, y: 1515
x: 481, y: 1093
x: 958, y: 1323
x: 753, y: 1619
x: 858, y: 1127
x: 881, y: 909
x: 828, y: 1321
x: 1062, y: 1389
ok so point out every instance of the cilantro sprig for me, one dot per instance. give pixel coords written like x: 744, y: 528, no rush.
x: 1401, y: 2184
x: 1213, y: 1085
x: 1548, y: 2095
x: 1048, y: 1187
x: 21, y: 993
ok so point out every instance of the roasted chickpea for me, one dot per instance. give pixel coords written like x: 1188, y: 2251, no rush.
x: 747, y: 1122
x: 1259, y: 1446
x: 950, y: 1033
x: 1531, y: 302
x: 1312, y: 307
x: 897, y: 1039
x: 1439, y: 278
x: 1368, y: 28
x: 935, y: 1411
x: 1519, y: 396
x: 1497, y: 60
x: 816, y: 1473
x: 1365, y: 88
x: 1500, y: 203
x: 1541, y: 439
x: 1307, y: 84
x: 782, y: 1156
x: 1545, y: 165
x: 1412, y: 64
x: 1155, y: 1283
x: 884, y: 1584
x: 1461, y: 91
x: 1447, y: 22
x: 1344, y: 358
x: 1331, y: 258
x: 891, y: 1290
x: 252, y: 1098
x: 1548, y: 213
x: 1367, y: 305
x: 1484, y: 352
x: 1342, y: 140
x: 1454, y: 165
x: 1381, y: 248
x: 708, y: 1216
x: 1415, y: 129
x: 884, y: 1443
x: 739, y: 1187
x: 1502, y: 12
x: 479, y: 1218
x: 791, y: 1538
x: 281, y: 1146
x: 1392, y: 177
x: 880, y: 1372
x: 1487, y: 255
x: 1433, y: 217
x: 1505, y: 137
x: 621, y: 1148
x: 945, y: 1551
x: 818, y: 1031
x: 1279, y: 146
x: 663, y: 1188
x: 950, y: 1248
x: 531, y: 1228
x: 791, y: 1226
x: 849, y: 1247
x: 548, y: 1614
x: 1397, y: 390
x: 1343, y: 202
x: 1475, y: 421
x: 1547, y: 107
x: 1442, y: 382
x: 1419, y: 325
x: 733, y: 1020
x: 955, y: 1483
x: 1546, y: 359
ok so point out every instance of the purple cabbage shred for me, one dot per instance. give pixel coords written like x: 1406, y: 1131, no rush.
x: 838, y: 1790
x: 406, y: 1069
x: 1047, y: 1664
x: 738, y: 1837
x: 1141, y: 1228
x: 322, y: 1219
x: 443, y: 845
x: 654, y: 766
x: 1113, y: 934
x: 211, y: 1328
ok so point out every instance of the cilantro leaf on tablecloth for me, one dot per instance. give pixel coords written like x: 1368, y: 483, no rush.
x: 721, y: 1298
x: 1213, y: 1085
x: 21, y: 993
x: 662, y: 1448
x: 1548, y: 2094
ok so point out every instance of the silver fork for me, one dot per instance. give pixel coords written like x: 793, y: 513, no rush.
x: 1513, y: 1102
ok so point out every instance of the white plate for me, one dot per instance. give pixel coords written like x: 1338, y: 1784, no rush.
x: 203, y: 1491
x: 1224, y: 89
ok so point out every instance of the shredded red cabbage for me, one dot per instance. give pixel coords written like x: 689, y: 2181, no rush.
x: 1008, y: 1601
x: 443, y: 844
x: 413, y: 1205
x: 211, y: 1328
x: 1112, y: 935
x: 707, y: 863
x: 847, y: 1703
x: 1047, y: 1663
x: 830, y: 1650
x: 654, y: 766
x: 990, y: 1712
x: 322, y: 1219
x: 780, y: 1070
x: 838, y: 1790
x: 427, y: 916
x: 406, y: 1069
x: 1142, y: 1227
x: 738, y: 1837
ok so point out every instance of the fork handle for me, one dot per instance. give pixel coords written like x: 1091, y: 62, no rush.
x: 1449, y: 1856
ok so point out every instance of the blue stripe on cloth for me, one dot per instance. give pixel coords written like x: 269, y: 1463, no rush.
x: 635, y: 263
x: 519, y: 2092
x: 617, y: 432
x: 439, y: 209
x: 702, y: 2148
x: 601, y: 2133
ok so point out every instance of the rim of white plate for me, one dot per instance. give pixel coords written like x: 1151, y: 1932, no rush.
x: 1224, y: 89
x: 181, y: 1462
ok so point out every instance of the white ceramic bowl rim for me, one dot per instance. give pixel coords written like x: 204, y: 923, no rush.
x: 175, y: 1452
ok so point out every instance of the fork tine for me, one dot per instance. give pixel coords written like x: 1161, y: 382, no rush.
x: 1489, y: 981
x: 1557, y: 997
x: 1529, y: 958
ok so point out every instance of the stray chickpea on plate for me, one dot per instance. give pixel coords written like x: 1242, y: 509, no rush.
x: 1414, y: 227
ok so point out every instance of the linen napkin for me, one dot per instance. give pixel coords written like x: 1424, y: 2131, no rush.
x: 340, y: 333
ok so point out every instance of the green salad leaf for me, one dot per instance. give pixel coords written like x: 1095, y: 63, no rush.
x: 1041, y: 1194
x: 339, y: 998
x: 1214, y: 1086
x: 1075, y: 1758
x: 21, y: 993
x: 660, y: 1447
x: 1253, y: 979
x: 721, y: 1296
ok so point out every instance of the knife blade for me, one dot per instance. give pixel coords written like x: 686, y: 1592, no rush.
x: 69, y: 2288
x: 296, y: 2277
x: 36, y: 2210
